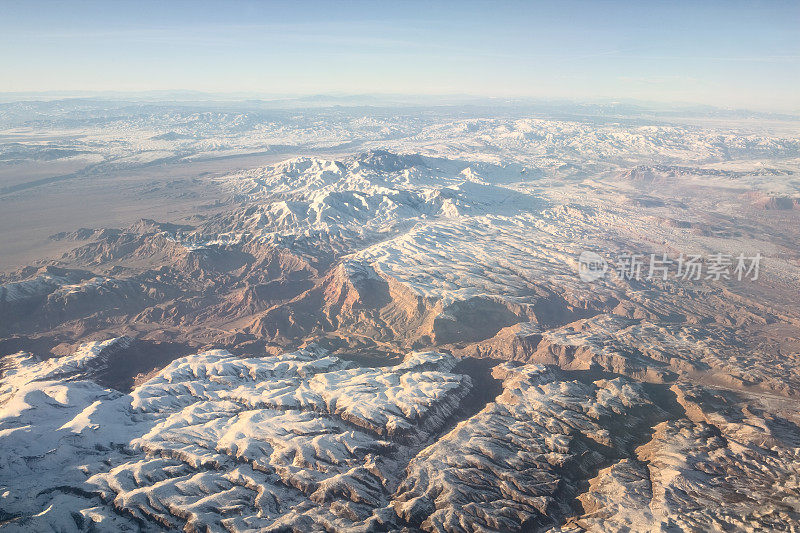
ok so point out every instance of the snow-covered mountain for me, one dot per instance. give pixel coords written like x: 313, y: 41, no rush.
x: 382, y: 326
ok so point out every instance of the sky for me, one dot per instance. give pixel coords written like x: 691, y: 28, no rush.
x: 730, y: 54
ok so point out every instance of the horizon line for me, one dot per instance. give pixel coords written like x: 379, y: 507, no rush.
x: 266, y: 97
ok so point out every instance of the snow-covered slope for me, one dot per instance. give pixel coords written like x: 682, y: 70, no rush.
x: 366, y: 198
x: 308, y: 442
x: 212, y: 440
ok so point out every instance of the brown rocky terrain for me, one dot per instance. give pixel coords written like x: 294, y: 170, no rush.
x: 398, y: 341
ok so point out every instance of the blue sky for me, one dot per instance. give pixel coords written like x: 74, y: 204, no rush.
x: 744, y: 54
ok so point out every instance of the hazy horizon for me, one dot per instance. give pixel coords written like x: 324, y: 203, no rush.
x: 743, y: 55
